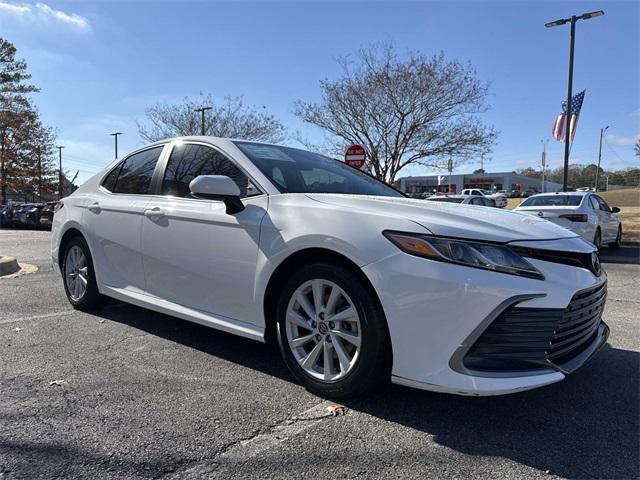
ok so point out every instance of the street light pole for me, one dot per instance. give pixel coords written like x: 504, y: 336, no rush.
x: 202, y: 110
x: 3, y: 187
x: 115, y: 137
x: 567, y: 133
x: 60, y: 171
x: 602, y: 130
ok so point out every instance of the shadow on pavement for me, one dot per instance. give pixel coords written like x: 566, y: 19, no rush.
x: 583, y: 427
x: 626, y: 254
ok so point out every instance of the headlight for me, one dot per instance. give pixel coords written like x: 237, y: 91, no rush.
x: 488, y: 256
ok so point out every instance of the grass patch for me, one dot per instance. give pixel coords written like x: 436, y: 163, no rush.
x: 622, y: 198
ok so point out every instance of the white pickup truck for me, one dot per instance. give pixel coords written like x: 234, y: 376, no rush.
x: 499, y: 198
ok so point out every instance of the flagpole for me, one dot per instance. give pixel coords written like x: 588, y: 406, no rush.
x: 562, y: 21
x: 567, y: 130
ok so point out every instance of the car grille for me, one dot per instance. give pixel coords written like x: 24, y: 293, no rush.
x: 528, y: 338
x: 589, y: 260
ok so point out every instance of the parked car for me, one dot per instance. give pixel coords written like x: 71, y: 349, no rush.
x: 356, y: 282
x: 6, y: 216
x: 32, y: 216
x: 500, y: 200
x: 515, y: 194
x: 528, y: 192
x: 20, y: 214
x: 46, y: 215
x: 464, y: 199
x: 584, y: 213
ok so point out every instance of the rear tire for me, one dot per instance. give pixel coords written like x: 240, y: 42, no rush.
x: 618, y: 243
x: 79, y: 276
x: 352, y: 352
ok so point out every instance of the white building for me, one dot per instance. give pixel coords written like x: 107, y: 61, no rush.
x: 507, y: 181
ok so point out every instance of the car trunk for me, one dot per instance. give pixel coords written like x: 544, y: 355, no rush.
x: 553, y: 214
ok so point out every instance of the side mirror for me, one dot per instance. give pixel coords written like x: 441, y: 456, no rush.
x: 218, y: 187
x: 615, y: 210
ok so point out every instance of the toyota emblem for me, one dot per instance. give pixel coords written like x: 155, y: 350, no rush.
x: 540, y: 214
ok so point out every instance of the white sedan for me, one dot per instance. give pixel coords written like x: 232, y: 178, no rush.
x: 582, y: 212
x: 479, y: 201
x: 357, y: 283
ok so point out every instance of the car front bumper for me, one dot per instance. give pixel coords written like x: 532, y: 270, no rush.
x: 435, y: 310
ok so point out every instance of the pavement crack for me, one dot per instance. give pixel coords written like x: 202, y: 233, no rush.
x: 259, y: 441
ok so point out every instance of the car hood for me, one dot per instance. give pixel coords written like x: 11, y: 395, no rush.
x: 453, y: 219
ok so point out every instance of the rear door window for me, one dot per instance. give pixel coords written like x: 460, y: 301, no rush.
x: 137, y: 171
x: 109, y: 181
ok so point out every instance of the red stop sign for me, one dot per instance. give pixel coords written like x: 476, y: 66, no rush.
x: 355, y: 156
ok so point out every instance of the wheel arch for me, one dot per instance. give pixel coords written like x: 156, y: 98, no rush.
x: 70, y: 233
x: 289, y: 265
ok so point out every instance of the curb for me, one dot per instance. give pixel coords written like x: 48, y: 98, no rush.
x: 8, y: 265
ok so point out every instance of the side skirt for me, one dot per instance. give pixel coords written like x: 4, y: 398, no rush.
x: 156, y: 304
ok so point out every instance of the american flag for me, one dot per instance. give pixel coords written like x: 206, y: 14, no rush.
x: 559, y: 126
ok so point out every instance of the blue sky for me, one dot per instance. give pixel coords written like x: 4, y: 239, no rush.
x: 99, y: 64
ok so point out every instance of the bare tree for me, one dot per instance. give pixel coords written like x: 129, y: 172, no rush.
x: 229, y: 118
x: 414, y: 110
x: 636, y: 147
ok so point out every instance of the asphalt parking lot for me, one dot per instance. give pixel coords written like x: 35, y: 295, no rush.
x: 144, y: 395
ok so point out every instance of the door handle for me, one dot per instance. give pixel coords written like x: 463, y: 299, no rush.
x: 94, y: 207
x: 154, y: 212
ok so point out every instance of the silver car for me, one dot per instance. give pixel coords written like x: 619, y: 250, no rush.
x: 584, y: 213
x: 464, y: 199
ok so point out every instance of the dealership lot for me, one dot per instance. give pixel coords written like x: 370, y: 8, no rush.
x: 144, y: 395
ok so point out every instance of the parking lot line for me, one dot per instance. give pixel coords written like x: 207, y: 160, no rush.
x: 37, y: 317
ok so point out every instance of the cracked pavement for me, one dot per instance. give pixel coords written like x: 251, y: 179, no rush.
x: 151, y: 396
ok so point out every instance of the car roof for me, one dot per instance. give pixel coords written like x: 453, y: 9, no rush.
x: 450, y: 196
x: 551, y: 194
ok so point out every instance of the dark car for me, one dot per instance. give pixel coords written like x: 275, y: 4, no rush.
x: 32, y: 218
x: 6, y: 216
x: 27, y: 215
x: 46, y: 215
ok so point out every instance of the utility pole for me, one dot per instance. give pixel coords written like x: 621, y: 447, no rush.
x: 115, y: 137
x: 202, y: 110
x: 602, y: 130
x: 60, y: 171
x: 450, y: 168
x: 567, y: 133
x: 40, y: 171
x: 544, y: 160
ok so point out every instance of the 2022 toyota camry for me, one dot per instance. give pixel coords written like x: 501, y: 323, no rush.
x: 357, y: 283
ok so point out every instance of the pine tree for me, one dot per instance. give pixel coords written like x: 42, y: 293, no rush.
x: 27, y: 145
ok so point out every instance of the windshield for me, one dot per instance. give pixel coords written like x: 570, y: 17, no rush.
x: 298, y: 171
x: 446, y: 199
x: 553, y: 201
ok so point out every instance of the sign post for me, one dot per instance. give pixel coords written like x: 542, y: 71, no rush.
x: 355, y: 156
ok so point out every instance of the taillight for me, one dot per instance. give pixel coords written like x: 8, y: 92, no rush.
x: 58, y: 206
x: 575, y: 217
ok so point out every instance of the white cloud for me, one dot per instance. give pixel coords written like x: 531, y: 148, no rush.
x: 43, y: 13
x: 622, y: 140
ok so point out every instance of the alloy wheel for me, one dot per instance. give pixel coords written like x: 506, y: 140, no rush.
x: 76, y: 275
x: 323, y: 330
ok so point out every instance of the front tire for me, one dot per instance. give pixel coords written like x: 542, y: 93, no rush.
x: 597, y: 239
x: 79, y: 277
x: 618, y: 243
x: 332, y: 333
